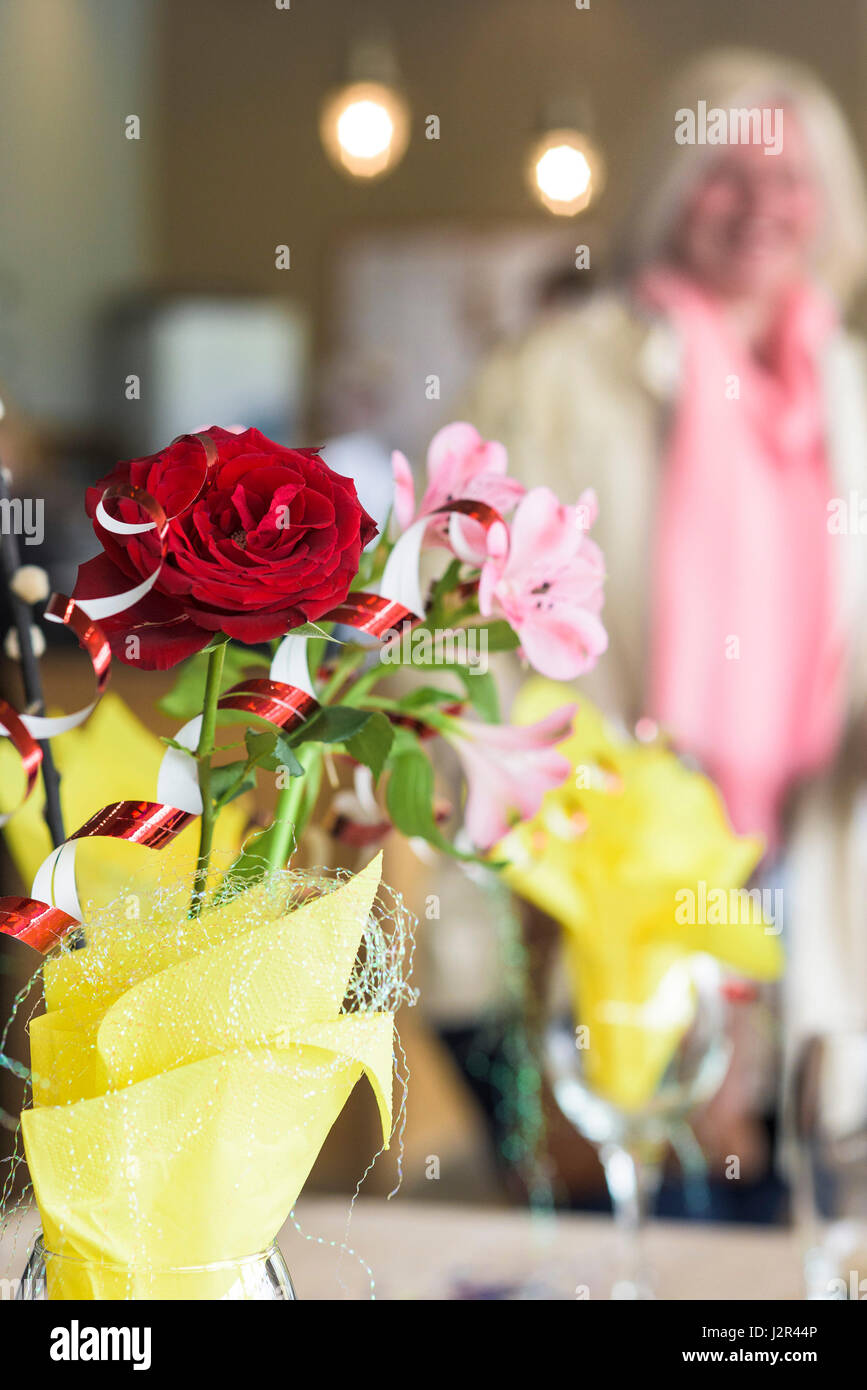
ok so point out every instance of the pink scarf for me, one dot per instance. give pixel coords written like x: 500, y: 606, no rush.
x: 747, y: 659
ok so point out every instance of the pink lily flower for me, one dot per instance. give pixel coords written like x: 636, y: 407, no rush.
x: 509, y: 768
x: 460, y: 464
x: 548, y: 583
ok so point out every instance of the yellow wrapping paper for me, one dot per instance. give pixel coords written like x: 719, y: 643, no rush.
x: 181, y: 1094
x: 607, y: 856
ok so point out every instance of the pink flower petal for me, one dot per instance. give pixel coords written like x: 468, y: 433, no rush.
x: 404, y: 489
x: 509, y: 768
x: 588, y: 508
x: 563, y: 649
x: 458, y: 454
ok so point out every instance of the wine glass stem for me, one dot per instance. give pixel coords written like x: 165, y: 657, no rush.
x: 632, y: 1175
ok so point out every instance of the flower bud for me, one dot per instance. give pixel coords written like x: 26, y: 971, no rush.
x: 30, y: 583
x: 12, y: 646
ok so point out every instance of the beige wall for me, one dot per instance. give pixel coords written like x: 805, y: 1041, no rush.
x: 75, y: 200
x: 230, y: 164
x: 240, y: 85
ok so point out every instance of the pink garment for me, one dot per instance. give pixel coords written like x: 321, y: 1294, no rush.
x: 747, y: 652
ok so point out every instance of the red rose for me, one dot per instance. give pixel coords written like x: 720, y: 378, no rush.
x: 272, y: 540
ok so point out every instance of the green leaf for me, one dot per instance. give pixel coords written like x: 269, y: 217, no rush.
x: 332, y: 724
x: 259, y: 745
x: 372, y: 744
x: 283, y: 756
x: 230, y: 781
x: 501, y: 637
x: 316, y: 650
x: 314, y: 630
x: 173, y: 743
x: 370, y: 562
x: 405, y: 740
x: 428, y: 695
x: 481, y: 691
x: 447, y: 582
x: 409, y: 797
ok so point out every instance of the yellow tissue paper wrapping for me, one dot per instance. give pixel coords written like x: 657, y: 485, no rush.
x: 607, y: 855
x: 181, y: 1093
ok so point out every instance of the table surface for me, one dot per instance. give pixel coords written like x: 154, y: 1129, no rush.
x: 439, y: 1251
x: 404, y: 1249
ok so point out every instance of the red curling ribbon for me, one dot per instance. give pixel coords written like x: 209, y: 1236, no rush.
x: 23, y: 730
x: 150, y: 823
x: 35, y: 923
x: 25, y: 746
x: 371, y: 613
x: 482, y: 512
x: 739, y: 991
x: 283, y: 705
x: 61, y: 609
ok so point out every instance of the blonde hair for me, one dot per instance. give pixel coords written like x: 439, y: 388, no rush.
x: 734, y: 78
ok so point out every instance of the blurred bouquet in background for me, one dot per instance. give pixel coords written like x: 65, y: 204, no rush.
x: 634, y: 857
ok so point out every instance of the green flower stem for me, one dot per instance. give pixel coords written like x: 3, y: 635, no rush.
x: 347, y: 662
x: 366, y: 681
x: 294, y: 807
x: 297, y: 799
x: 204, y: 753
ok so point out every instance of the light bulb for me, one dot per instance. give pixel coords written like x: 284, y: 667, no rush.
x: 365, y: 128
x: 565, y: 172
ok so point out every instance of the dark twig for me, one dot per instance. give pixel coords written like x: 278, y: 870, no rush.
x: 10, y: 562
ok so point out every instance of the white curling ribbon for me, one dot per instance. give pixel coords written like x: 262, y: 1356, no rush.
x: 459, y: 542
x: 54, y: 881
x: 41, y: 728
x: 400, y: 579
x: 97, y: 608
x: 121, y: 528
x: 290, y: 664
x: 178, y: 779
x: 107, y: 607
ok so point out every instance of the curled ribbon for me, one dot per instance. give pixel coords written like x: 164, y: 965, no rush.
x: 284, y: 700
x: 38, y: 922
x: 23, y: 730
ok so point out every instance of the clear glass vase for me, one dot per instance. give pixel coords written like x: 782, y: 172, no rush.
x: 49, y: 1276
x: 632, y: 1139
x: 827, y: 1119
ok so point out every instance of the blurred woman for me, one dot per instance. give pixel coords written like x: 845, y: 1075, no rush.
x: 719, y: 408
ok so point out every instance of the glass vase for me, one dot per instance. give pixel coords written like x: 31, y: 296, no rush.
x: 685, y: 1029
x: 828, y: 1121
x: 50, y: 1276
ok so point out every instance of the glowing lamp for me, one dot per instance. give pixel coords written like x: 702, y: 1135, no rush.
x: 365, y: 129
x: 565, y: 172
